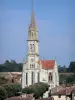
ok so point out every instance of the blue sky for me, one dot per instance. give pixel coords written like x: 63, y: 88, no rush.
x: 56, y: 26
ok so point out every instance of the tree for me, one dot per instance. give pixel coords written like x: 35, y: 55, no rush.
x: 27, y: 90
x: 71, y: 79
x: 12, y: 89
x: 13, y: 61
x: 62, y: 77
x: 60, y: 69
x: 72, y: 67
x: 64, y: 69
x: 3, y: 93
x: 11, y: 66
x: 38, y: 89
x: 6, y: 62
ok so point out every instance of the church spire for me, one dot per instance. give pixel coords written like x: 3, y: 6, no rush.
x: 32, y: 32
x: 33, y: 22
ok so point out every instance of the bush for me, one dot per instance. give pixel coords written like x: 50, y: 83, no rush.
x: 3, y: 93
x: 27, y: 90
x: 13, y: 89
x: 44, y: 86
x: 38, y: 89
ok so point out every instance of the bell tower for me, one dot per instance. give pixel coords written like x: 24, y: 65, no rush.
x: 31, y: 71
x: 33, y: 53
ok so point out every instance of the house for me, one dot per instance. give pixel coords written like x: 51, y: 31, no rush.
x: 66, y: 93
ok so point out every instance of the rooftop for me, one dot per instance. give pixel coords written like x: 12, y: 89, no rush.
x: 47, y: 64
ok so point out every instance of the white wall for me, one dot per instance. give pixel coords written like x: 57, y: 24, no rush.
x: 57, y: 98
x: 43, y: 74
x: 63, y: 97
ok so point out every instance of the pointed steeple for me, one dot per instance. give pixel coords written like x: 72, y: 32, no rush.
x: 32, y: 32
x: 33, y: 25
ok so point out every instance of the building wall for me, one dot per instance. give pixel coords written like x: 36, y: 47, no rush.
x: 63, y: 97
x: 29, y: 74
x: 32, y: 53
x: 56, y: 74
x: 57, y: 98
x: 43, y: 75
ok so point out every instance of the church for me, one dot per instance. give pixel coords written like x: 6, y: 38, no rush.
x: 34, y: 69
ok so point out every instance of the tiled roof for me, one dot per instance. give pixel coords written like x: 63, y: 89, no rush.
x: 65, y: 91
x: 60, y: 92
x: 49, y: 98
x: 20, y: 98
x: 47, y: 64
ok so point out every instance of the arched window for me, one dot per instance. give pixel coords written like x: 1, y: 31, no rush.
x: 50, y: 76
x: 32, y: 77
x: 33, y: 47
x: 30, y: 46
x: 38, y: 77
x: 26, y: 78
x: 30, y: 65
x: 32, y: 34
x: 33, y: 65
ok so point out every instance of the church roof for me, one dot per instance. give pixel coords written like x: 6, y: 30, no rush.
x: 47, y: 64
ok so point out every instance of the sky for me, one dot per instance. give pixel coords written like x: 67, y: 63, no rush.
x: 56, y: 29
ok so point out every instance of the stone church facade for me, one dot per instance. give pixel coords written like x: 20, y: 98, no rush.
x: 34, y: 69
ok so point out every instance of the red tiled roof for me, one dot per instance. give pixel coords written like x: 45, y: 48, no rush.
x: 47, y: 64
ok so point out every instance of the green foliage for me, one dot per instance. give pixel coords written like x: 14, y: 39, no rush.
x: 11, y: 66
x: 62, y: 79
x: 72, y: 66
x: 62, y: 69
x: 38, y: 89
x: 71, y: 79
x: 12, y: 89
x: 67, y: 79
x: 27, y: 90
x: 3, y: 93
